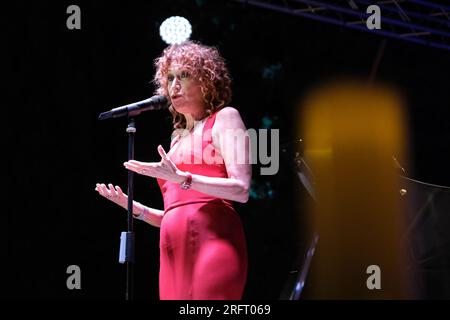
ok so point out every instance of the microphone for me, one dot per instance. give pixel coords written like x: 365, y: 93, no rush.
x: 134, y: 109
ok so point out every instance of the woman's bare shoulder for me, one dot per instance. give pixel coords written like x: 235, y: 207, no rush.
x: 228, y: 111
x: 228, y: 117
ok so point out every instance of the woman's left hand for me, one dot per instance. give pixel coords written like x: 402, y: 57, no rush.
x: 165, y: 169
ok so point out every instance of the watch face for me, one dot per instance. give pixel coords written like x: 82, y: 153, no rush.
x: 185, y: 186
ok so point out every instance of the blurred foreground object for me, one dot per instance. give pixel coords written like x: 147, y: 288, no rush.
x: 351, y: 133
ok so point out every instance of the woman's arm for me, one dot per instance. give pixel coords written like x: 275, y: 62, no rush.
x: 225, y: 188
x: 150, y: 215
x: 141, y: 212
x: 235, y: 152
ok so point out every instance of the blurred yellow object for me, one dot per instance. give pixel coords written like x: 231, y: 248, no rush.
x: 351, y: 133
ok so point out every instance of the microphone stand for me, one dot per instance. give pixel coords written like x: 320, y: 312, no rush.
x: 303, y: 262
x: 127, y: 238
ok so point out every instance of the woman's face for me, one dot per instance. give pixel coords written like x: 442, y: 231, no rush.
x: 184, y: 91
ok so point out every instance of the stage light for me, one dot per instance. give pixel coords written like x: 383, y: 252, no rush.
x: 175, y: 30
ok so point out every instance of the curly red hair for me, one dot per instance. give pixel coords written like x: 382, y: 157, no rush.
x: 204, y: 64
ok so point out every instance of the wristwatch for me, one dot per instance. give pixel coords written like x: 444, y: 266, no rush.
x: 186, y: 184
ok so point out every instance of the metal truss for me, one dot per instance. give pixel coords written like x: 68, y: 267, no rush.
x: 417, y: 21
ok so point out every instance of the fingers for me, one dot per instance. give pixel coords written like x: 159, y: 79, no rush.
x: 110, y: 193
x: 99, y: 188
x: 165, y: 158
x: 135, y: 162
x: 132, y: 166
x: 103, y: 190
x: 139, y: 164
x: 119, y: 191
x: 144, y: 168
x: 162, y: 152
x: 111, y: 190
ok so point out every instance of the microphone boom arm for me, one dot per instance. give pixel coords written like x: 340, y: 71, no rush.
x: 134, y: 109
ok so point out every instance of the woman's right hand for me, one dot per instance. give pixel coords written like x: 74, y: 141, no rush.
x: 113, y: 194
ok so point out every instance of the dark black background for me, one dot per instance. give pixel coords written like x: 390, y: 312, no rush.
x: 57, y: 150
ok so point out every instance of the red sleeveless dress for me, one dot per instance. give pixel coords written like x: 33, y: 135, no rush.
x: 203, y: 252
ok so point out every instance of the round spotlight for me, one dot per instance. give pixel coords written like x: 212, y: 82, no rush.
x: 175, y: 30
